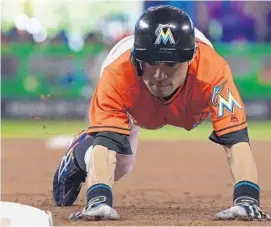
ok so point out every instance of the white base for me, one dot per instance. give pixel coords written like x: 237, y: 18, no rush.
x: 16, y: 214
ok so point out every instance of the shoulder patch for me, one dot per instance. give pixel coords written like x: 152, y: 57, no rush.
x: 223, y: 103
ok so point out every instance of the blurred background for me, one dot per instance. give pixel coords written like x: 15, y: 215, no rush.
x: 51, y: 51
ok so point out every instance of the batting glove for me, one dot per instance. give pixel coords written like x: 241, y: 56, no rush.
x: 244, y: 208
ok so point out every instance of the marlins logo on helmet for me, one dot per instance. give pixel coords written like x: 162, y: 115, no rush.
x: 223, y: 103
x: 162, y: 36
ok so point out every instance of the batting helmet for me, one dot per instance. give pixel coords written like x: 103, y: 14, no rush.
x: 164, y: 34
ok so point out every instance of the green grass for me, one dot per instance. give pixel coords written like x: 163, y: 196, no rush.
x: 47, y: 129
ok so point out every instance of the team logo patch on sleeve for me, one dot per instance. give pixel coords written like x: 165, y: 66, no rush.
x: 224, y: 103
x: 164, y: 36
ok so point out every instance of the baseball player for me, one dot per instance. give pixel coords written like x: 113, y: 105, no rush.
x: 167, y: 73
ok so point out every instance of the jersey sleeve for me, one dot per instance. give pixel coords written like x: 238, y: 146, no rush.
x: 228, y: 113
x: 108, y: 106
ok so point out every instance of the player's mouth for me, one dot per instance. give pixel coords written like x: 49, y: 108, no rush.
x: 162, y: 85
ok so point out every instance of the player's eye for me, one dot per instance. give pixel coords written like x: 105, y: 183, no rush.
x: 148, y: 65
x: 171, y: 64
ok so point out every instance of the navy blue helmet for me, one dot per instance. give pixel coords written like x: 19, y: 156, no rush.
x: 164, y: 34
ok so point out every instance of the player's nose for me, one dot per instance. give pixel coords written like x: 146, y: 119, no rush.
x: 159, y: 75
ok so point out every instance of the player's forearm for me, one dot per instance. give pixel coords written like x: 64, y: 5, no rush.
x: 242, y: 163
x: 102, y: 165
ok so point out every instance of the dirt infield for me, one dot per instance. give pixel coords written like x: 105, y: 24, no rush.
x: 172, y: 183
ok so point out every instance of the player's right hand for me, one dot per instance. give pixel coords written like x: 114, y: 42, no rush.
x: 246, y: 210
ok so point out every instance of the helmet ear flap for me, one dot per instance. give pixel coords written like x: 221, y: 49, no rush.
x: 194, y: 53
x: 137, y: 64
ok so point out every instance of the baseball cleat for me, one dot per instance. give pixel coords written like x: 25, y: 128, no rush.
x: 99, y: 212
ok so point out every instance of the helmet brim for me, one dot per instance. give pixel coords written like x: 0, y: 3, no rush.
x: 166, y: 56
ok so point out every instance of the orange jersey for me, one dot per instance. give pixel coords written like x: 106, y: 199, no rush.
x: 121, y: 97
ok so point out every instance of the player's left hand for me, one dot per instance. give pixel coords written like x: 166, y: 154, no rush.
x: 244, y: 211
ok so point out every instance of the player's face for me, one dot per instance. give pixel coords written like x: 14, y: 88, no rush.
x: 163, y: 79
